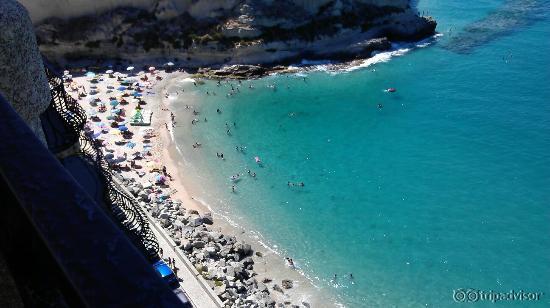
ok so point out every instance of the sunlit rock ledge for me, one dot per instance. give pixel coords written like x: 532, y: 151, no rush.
x: 213, y: 33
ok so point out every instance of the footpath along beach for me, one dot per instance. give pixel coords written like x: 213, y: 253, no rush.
x: 129, y: 115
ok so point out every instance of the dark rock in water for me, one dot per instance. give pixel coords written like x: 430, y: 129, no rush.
x: 287, y: 284
x: 511, y: 16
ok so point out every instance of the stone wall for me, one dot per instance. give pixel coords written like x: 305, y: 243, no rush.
x: 23, y: 81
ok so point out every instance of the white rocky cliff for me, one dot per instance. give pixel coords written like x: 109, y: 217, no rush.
x: 217, y: 32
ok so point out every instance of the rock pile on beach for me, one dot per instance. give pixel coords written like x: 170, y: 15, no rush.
x: 224, y: 262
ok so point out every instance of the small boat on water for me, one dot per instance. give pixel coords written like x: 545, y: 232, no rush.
x: 258, y: 160
x: 391, y: 90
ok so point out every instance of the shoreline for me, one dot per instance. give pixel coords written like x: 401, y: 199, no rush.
x: 268, y: 263
x: 181, y: 215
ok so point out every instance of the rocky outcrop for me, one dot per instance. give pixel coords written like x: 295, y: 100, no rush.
x: 214, y: 33
x: 23, y: 80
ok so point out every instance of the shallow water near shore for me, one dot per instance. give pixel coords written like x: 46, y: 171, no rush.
x: 445, y: 187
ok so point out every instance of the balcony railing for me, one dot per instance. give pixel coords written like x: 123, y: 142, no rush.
x: 63, y: 122
x: 65, y: 116
x: 99, y: 266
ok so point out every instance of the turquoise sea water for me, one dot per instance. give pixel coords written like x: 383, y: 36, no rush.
x: 446, y: 187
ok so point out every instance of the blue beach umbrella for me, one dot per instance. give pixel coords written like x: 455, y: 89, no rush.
x: 122, y: 128
x: 121, y: 88
x: 113, y: 102
x: 90, y: 74
x: 137, y: 94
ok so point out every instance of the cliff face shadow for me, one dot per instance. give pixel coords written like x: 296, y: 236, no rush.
x: 512, y: 16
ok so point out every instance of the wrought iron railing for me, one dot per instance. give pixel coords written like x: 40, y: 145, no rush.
x: 65, y: 117
x: 64, y: 128
x: 69, y: 256
x: 124, y: 208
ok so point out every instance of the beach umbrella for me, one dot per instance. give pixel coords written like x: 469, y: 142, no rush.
x: 113, y: 102
x: 65, y: 72
x: 90, y: 74
x: 121, y: 88
x: 122, y: 128
x: 160, y: 178
x: 109, y: 71
x: 109, y: 156
x: 130, y: 145
x: 130, y: 68
x: 152, y: 68
x: 137, y: 94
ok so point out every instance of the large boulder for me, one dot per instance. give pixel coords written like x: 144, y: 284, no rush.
x: 199, y: 244
x: 207, y: 218
x: 287, y: 283
x: 195, y: 221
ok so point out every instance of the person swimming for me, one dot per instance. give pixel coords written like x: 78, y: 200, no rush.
x: 380, y: 106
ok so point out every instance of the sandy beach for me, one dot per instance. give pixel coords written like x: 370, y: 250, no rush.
x: 146, y: 158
